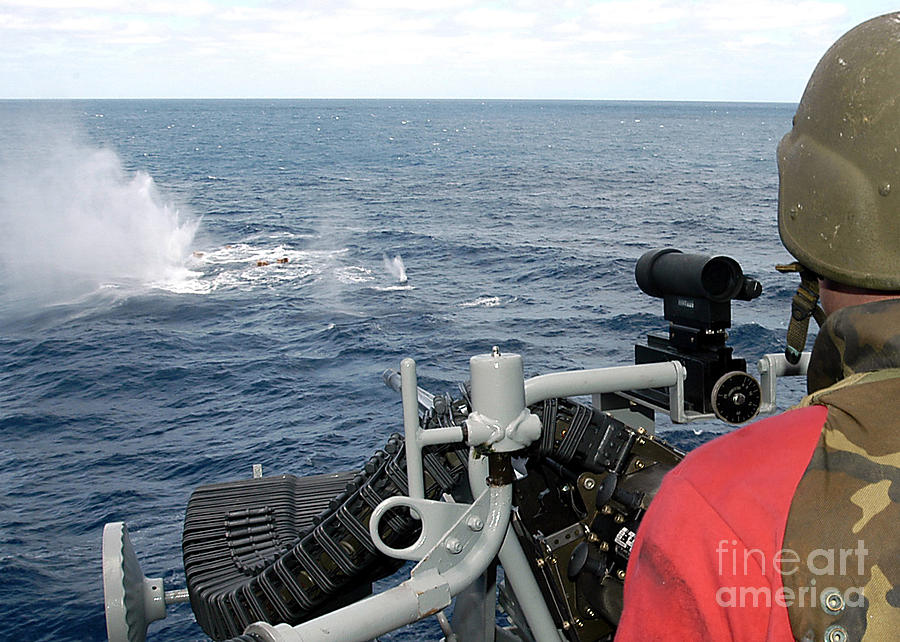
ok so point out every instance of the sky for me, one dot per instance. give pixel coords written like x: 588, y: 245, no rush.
x: 725, y: 50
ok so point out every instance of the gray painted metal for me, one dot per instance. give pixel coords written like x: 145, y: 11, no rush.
x: 443, y: 573
x: 131, y: 600
x: 600, y: 380
x: 518, y: 571
x: 773, y: 366
x: 414, y: 467
x: 459, y: 541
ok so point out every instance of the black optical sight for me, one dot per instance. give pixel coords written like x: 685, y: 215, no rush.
x: 697, y: 292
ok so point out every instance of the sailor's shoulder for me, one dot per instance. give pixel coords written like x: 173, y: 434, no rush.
x: 754, y: 466
x: 771, y: 440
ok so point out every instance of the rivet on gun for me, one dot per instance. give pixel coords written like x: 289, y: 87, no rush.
x: 454, y: 545
x: 475, y: 523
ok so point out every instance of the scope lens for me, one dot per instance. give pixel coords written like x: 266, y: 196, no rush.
x: 718, y: 276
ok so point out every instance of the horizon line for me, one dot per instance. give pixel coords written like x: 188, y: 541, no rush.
x: 418, y: 99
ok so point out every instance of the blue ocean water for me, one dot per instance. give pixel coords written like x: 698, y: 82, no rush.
x: 151, y: 341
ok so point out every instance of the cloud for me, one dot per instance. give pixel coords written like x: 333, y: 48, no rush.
x: 490, y: 19
x: 519, y: 41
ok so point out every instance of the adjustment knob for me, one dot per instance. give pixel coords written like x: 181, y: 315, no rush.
x: 736, y: 397
x: 582, y: 560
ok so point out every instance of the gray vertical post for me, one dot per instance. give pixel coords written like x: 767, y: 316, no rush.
x: 518, y: 571
x: 475, y: 611
x: 498, y: 391
x: 409, y: 394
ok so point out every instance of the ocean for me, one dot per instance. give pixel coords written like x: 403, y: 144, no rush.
x: 188, y: 288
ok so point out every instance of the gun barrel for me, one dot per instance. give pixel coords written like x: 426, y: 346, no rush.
x: 392, y: 380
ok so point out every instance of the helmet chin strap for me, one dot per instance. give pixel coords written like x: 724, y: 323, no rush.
x: 804, y: 305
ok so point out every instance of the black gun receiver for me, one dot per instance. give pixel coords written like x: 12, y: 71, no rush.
x: 697, y: 292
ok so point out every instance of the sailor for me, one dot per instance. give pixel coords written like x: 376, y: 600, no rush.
x: 790, y: 528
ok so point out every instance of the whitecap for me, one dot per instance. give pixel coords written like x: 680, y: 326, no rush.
x: 394, y: 288
x: 353, y: 274
x: 482, y: 302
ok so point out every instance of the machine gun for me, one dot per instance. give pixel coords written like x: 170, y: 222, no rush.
x: 507, y: 472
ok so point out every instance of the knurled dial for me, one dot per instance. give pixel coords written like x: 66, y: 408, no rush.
x: 736, y: 397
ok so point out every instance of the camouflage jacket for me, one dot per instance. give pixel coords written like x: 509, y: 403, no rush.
x: 844, y: 520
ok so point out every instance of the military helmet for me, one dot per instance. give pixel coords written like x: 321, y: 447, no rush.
x: 839, y: 167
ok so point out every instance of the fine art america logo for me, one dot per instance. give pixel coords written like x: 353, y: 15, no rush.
x: 822, y: 564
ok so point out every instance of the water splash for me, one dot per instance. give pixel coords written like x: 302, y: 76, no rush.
x: 74, y: 221
x: 395, y: 267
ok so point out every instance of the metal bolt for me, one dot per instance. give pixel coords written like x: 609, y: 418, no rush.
x: 579, y: 623
x: 475, y: 523
x: 606, y: 510
x: 604, y: 546
x: 621, y: 575
x: 836, y: 633
x: 832, y: 601
x: 540, y: 562
x: 589, y: 483
x: 641, y: 430
x: 885, y: 189
x: 638, y: 463
x: 589, y: 612
x: 566, y: 626
x: 454, y: 545
x: 619, y: 519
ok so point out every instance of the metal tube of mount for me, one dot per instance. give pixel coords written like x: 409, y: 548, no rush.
x: 392, y: 380
x: 445, y: 435
x: 408, y: 393
x: 599, y: 380
x: 517, y: 570
x: 429, y: 590
x: 485, y: 549
x: 772, y: 366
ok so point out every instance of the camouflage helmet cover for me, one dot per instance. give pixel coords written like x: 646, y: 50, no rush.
x: 839, y: 167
